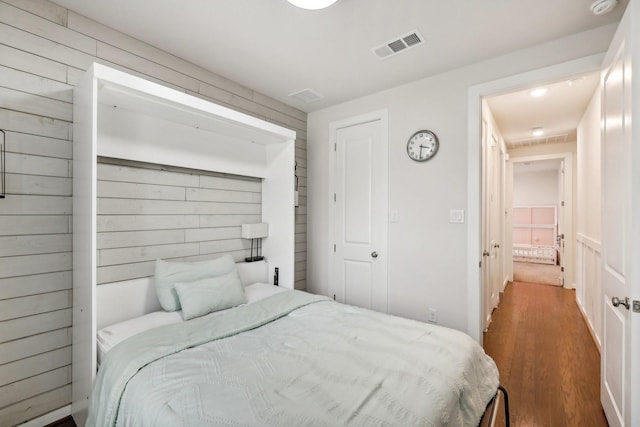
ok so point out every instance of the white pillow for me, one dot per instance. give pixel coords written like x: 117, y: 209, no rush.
x: 210, y: 294
x: 111, y: 335
x: 168, y: 273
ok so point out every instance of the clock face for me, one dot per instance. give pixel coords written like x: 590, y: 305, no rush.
x: 422, y: 145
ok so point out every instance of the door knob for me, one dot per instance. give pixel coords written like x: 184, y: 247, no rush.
x: 485, y: 253
x: 374, y: 254
x: 618, y: 302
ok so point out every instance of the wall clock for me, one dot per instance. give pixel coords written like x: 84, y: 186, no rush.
x: 422, y: 145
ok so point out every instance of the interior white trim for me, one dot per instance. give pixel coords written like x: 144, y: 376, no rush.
x: 474, y: 180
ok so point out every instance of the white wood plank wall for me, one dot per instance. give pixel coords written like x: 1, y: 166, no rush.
x: 147, y: 212
x: 44, y: 50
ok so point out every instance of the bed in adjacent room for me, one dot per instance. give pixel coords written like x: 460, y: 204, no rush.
x: 280, y: 357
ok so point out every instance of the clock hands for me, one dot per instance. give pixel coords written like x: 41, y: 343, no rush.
x: 425, y: 146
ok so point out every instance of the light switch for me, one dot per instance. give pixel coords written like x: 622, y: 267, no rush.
x: 395, y: 216
x: 456, y: 216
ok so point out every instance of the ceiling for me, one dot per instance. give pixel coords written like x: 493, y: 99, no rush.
x: 278, y: 49
x: 557, y: 112
x: 537, y: 166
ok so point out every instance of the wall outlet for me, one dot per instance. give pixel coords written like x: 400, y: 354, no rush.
x: 433, y: 315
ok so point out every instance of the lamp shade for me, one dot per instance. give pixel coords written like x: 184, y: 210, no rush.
x: 255, y: 231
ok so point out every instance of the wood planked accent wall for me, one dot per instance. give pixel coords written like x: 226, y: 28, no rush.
x: 147, y: 212
x: 44, y: 51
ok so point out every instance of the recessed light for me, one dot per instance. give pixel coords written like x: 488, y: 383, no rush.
x: 312, y: 4
x: 602, y: 7
x: 537, y: 132
x: 576, y: 81
x: 537, y: 93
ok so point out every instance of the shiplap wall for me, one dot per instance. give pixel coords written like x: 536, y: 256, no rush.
x: 147, y: 212
x: 44, y: 50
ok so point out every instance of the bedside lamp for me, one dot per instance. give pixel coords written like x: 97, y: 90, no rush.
x: 255, y: 232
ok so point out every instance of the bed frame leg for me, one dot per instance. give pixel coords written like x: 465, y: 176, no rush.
x: 507, y: 422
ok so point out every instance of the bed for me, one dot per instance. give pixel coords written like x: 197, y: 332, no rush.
x: 535, y: 253
x: 282, y: 358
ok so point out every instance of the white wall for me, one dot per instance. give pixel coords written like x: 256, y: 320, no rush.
x: 535, y: 188
x: 588, y: 228
x: 427, y: 255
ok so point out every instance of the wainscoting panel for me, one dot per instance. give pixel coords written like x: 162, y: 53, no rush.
x: 588, y: 283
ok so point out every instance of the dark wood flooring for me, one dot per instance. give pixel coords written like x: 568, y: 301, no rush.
x: 546, y: 356
x: 65, y: 422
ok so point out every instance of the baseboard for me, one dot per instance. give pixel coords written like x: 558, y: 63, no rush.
x: 589, y: 325
x: 48, y: 418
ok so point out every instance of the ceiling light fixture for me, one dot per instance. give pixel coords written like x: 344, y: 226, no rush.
x: 312, y: 4
x: 537, y: 93
x: 601, y: 7
x: 537, y: 132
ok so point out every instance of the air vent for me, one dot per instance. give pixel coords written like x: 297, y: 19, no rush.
x: 549, y: 139
x: 399, y: 44
x: 306, y: 95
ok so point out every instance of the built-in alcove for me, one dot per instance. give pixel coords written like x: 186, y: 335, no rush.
x: 121, y: 116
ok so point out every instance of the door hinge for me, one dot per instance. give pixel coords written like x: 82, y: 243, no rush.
x: 480, y: 264
x: 335, y: 146
x: 334, y: 247
x: 335, y: 198
x: 561, y: 203
x: 334, y: 297
x: 561, y: 268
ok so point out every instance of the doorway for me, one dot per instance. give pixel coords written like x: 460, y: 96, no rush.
x: 359, y: 211
x: 533, y: 130
x: 537, y: 222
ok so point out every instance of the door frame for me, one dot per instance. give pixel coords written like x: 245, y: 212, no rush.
x: 383, y: 117
x: 569, y: 225
x: 475, y: 94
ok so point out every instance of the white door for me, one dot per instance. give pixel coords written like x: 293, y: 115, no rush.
x: 495, y: 220
x: 491, y: 237
x: 360, y: 224
x: 560, y: 219
x: 620, y: 383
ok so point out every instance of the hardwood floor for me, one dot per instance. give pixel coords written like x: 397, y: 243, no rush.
x: 546, y: 356
x: 65, y: 422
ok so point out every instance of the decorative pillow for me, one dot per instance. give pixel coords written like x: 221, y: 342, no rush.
x: 168, y: 273
x: 211, y: 294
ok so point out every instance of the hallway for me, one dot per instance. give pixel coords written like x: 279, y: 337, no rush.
x: 547, y: 359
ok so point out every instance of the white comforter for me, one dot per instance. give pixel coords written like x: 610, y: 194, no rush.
x: 313, y: 363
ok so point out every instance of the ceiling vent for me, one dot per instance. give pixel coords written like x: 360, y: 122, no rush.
x: 397, y: 45
x: 306, y: 95
x: 549, y: 139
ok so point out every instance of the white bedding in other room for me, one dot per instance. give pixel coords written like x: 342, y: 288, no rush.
x: 112, y: 335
